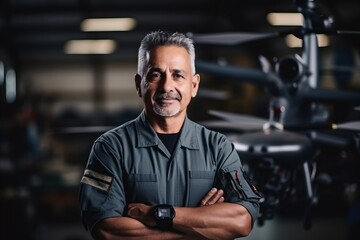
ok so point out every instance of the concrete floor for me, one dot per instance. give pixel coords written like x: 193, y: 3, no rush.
x: 292, y: 229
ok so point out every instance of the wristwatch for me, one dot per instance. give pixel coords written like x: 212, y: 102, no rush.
x: 163, y: 215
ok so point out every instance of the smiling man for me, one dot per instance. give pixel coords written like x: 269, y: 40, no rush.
x: 162, y: 173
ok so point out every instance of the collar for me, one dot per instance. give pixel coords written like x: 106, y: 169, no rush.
x: 147, y: 137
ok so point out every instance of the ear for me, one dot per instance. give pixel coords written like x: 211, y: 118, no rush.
x: 195, y: 84
x: 138, y: 84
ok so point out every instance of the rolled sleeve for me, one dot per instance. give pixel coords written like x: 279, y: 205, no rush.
x: 235, y: 184
x: 101, y: 189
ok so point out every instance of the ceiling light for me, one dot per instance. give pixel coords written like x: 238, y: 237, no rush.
x: 2, y: 73
x: 10, y: 86
x: 108, y: 24
x: 294, y: 42
x: 105, y: 46
x: 323, y: 40
x: 285, y: 19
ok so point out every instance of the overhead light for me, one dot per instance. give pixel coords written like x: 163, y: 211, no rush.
x: 108, y: 24
x: 2, y: 73
x: 294, y: 42
x: 285, y: 19
x: 10, y: 86
x: 323, y: 40
x: 104, y: 46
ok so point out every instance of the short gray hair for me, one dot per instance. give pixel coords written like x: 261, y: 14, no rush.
x: 162, y: 38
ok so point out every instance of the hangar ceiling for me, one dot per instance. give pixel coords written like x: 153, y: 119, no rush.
x: 33, y: 30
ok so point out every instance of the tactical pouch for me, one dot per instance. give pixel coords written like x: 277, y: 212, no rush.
x: 236, y: 186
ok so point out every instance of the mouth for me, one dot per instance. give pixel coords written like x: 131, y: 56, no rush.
x: 167, y: 97
x: 165, y: 101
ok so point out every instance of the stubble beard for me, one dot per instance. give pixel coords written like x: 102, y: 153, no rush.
x: 166, y: 110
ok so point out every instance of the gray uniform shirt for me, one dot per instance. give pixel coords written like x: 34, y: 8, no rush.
x: 130, y: 164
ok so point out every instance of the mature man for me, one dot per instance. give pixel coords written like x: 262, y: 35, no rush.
x: 162, y: 173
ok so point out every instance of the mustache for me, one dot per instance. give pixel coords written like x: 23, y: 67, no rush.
x: 167, y: 95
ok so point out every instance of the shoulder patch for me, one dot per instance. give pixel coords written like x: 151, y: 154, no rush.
x: 97, y: 180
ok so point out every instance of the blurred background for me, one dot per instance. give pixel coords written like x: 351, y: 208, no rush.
x: 65, y: 79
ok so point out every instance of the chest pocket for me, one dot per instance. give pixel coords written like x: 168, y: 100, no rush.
x: 200, y: 183
x: 143, y: 188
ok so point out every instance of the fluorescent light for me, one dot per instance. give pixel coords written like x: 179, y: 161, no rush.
x: 10, y: 86
x: 323, y: 40
x: 285, y: 19
x: 2, y: 73
x: 105, y: 46
x: 107, y: 24
x: 294, y: 42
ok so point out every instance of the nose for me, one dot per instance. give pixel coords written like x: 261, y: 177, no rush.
x: 167, y: 83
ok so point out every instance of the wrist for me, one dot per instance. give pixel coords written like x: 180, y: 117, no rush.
x: 163, y: 216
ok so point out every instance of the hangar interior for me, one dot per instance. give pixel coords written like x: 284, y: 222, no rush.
x: 55, y: 101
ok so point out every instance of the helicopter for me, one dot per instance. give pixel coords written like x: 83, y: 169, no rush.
x: 293, y: 142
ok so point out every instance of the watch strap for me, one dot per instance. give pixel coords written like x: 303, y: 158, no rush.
x: 163, y: 215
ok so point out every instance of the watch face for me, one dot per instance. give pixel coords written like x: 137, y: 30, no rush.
x: 163, y: 216
x: 164, y: 213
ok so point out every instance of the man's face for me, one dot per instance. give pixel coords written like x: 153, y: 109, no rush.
x: 168, y: 83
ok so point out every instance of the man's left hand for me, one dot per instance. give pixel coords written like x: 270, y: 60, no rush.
x: 212, y: 197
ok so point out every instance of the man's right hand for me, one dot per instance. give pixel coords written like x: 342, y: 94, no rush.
x: 213, y: 196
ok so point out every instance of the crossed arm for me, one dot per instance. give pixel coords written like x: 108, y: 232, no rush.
x: 213, y: 219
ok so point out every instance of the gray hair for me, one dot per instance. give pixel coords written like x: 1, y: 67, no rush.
x: 162, y: 38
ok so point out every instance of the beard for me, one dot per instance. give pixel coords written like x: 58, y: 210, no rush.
x: 166, y: 109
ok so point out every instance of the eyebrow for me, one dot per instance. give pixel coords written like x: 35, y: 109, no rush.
x: 157, y: 69
x: 178, y: 71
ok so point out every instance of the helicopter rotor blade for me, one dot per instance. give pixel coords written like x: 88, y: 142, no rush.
x: 244, y: 122
x: 213, y: 94
x: 238, y: 118
x: 331, y: 96
x: 233, y: 73
x: 226, y: 125
x: 344, y: 69
x: 353, y: 125
x: 231, y: 38
x: 235, y: 38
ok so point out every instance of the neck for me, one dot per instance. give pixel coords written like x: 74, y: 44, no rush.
x: 167, y: 124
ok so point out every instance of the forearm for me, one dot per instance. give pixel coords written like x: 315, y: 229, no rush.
x: 215, y: 221
x: 218, y: 221
x: 129, y: 228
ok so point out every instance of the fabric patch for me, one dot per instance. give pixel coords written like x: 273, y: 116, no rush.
x: 96, y: 179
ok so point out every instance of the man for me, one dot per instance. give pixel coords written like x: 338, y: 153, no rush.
x: 162, y: 173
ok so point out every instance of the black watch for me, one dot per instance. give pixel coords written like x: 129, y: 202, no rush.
x: 163, y: 215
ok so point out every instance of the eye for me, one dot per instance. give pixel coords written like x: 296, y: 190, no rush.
x: 177, y: 76
x: 154, y: 76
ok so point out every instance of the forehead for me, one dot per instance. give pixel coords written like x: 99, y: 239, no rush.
x: 169, y: 55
